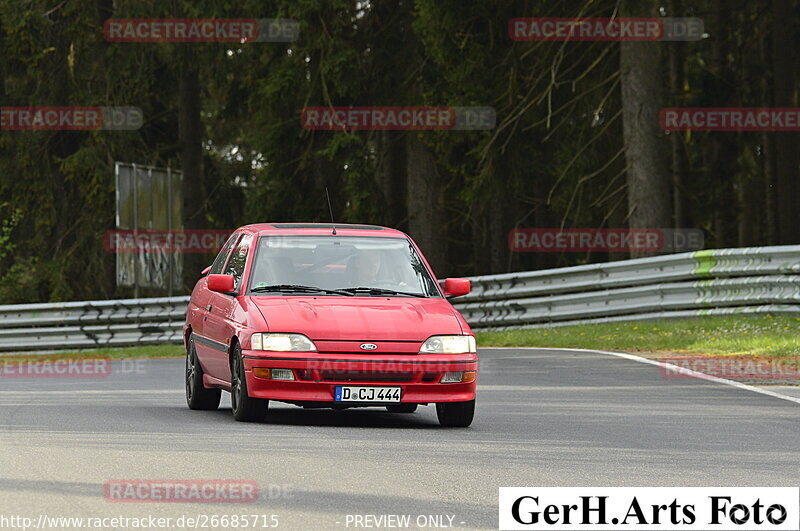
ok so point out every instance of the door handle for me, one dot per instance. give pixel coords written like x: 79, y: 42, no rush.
x: 208, y: 308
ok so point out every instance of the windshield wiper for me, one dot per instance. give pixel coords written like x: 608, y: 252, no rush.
x: 298, y: 288
x: 381, y: 291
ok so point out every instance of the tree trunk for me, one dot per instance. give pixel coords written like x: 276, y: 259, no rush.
x: 105, y: 10
x: 498, y: 213
x: 391, y: 177
x: 747, y: 195
x: 786, y: 143
x: 770, y: 199
x: 425, y: 212
x: 722, y: 150
x: 648, y: 180
x: 680, y: 166
x: 190, y: 139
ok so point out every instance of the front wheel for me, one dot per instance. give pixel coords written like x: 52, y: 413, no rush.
x: 455, y: 414
x: 197, y: 396
x: 245, y: 408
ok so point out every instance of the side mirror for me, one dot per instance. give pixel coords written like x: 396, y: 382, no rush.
x: 456, y: 287
x: 221, y: 283
x: 205, y: 271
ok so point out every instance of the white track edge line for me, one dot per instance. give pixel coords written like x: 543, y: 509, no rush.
x: 664, y: 365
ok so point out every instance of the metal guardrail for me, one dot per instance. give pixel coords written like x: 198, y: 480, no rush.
x: 719, y: 263
x: 636, y: 300
x: 729, y: 281
x: 756, y: 280
x: 91, y: 324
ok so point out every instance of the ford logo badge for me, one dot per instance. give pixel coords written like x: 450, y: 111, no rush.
x: 369, y: 346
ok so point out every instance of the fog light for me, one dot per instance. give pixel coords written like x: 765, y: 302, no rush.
x: 273, y: 374
x: 452, y: 377
x: 469, y: 376
x: 282, y: 374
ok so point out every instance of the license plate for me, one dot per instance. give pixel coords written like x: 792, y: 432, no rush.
x: 344, y: 393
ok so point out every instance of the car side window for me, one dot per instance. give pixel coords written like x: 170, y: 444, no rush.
x: 222, y: 257
x: 238, y: 259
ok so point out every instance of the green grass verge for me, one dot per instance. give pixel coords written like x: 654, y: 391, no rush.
x: 715, y: 335
x: 149, y: 351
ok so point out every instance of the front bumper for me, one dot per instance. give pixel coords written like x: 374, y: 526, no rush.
x: 318, y: 374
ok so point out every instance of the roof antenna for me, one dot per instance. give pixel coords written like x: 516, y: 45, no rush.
x: 330, y: 209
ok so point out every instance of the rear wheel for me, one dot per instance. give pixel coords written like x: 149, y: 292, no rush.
x: 402, y: 408
x: 455, y: 414
x: 197, y: 396
x: 245, y: 408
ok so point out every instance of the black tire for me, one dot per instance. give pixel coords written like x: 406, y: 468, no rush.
x: 455, y: 414
x: 197, y: 396
x: 245, y: 408
x: 401, y: 408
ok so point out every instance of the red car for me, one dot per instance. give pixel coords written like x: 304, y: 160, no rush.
x: 324, y: 315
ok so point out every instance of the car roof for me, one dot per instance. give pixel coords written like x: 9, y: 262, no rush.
x: 321, y: 229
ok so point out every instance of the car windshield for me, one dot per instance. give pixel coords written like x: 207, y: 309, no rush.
x: 340, y: 265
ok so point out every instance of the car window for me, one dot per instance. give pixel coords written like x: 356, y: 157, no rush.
x: 340, y: 262
x: 219, y: 261
x: 238, y: 259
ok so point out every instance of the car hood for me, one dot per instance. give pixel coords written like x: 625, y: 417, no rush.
x: 359, y: 318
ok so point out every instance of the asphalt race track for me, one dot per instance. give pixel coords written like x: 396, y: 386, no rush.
x: 544, y: 418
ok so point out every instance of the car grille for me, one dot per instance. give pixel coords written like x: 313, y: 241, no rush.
x: 363, y: 376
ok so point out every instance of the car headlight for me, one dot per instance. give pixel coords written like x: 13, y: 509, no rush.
x: 282, y: 342
x: 449, y: 345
